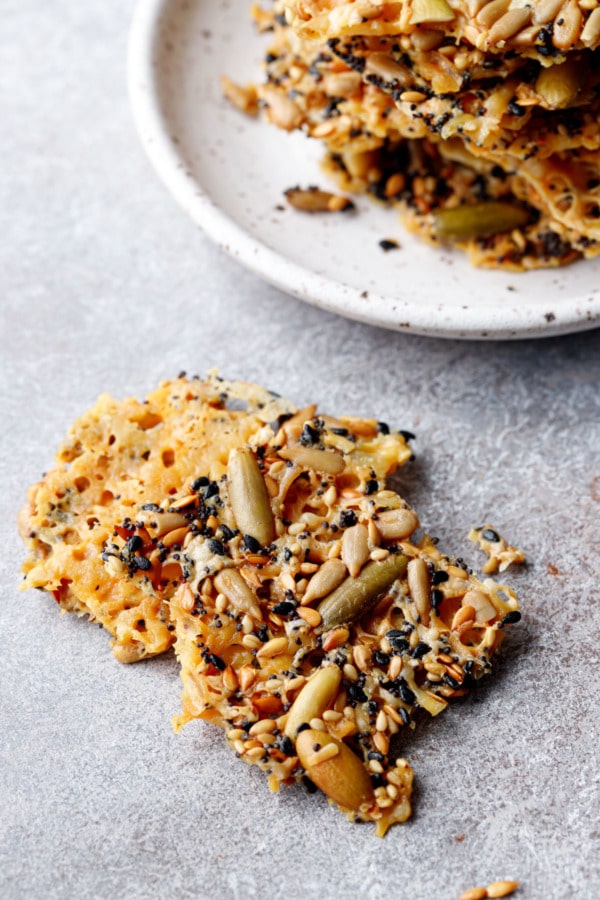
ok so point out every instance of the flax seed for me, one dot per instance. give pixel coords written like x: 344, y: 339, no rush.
x: 317, y: 724
x: 350, y: 672
x: 379, y: 553
x: 463, y: 615
x: 311, y: 616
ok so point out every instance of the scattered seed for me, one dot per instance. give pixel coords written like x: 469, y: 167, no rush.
x: 475, y: 893
x: 501, y: 889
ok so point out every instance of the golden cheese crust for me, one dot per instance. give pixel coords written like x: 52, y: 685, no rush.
x: 116, y: 457
x: 548, y: 28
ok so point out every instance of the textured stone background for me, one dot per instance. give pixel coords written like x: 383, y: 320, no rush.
x: 107, y: 286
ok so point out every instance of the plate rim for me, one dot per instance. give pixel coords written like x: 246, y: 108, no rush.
x: 151, y: 124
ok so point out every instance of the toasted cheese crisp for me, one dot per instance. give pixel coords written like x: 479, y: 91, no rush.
x: 309, y: 625
x: 116, y: 457
x: 550, y: 28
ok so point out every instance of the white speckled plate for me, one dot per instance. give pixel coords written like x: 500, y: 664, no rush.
x: 229, y: 173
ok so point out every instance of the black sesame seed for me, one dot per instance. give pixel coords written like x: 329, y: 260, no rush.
x: 251, y: 544
x: 406, y: 695
x: 380, y: 658
x: 215, y: 546
x: 200, y: 483
x: 216, y: 661
x: 439, y: 577
x: 437, y: 598
x: 226, y: 532
x: 134, y: 543
x: 309, y: 435
x: 140, y: 562
x: 348, y: 518
x: 212, y: 489
x: 356, y: 693
x: 284, y: 744
x: 284, y: 609
x: 397, y: 639
x: 404, y: 715
x: 308, y: 784
x: 420, y: 650
x: 511, y: 618
x: 488, y: 534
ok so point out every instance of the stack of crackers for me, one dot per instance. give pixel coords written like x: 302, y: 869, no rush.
x: 477, y: 118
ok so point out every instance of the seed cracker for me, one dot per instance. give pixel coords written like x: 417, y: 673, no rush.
x: 315, y: 647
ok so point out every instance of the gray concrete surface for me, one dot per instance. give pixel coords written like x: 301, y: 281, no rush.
x: 106, y: 286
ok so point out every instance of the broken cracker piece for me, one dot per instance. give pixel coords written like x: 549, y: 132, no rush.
x: 501, y: 554
x: 315, y: 647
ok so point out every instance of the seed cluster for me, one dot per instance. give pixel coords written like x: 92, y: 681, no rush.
x: 478, y: 121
